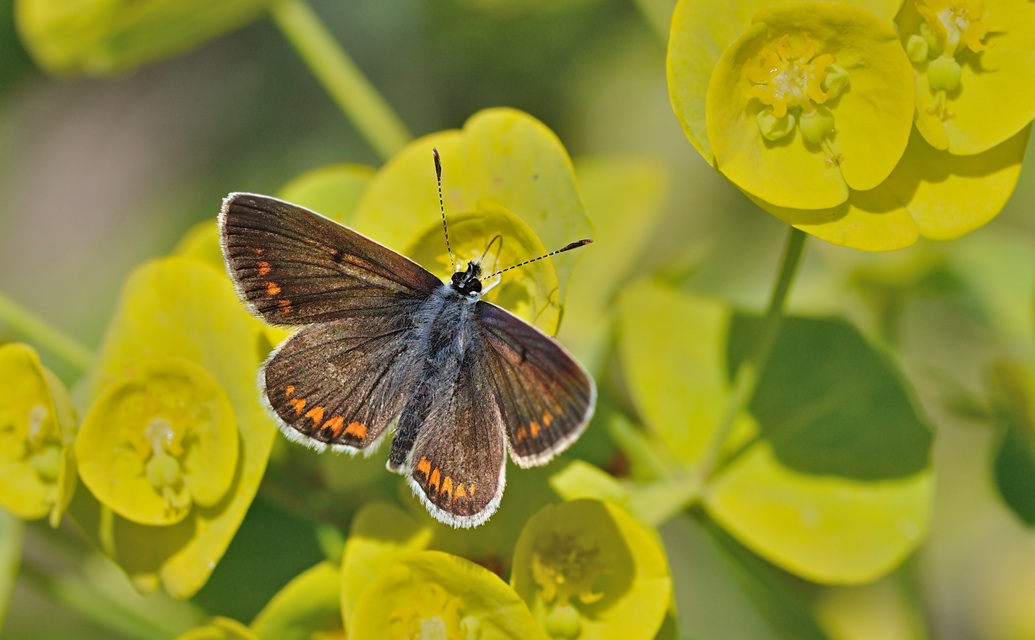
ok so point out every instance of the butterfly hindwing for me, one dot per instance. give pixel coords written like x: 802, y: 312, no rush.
x: 340, y: 384
x: 294, y: 266
x: 457, y: 466
x: 545, y: 397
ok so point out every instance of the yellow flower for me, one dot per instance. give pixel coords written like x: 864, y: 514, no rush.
x: 37, y: 427
x: 155, y: 443
x: 974, y: 60
x: 833, y: 73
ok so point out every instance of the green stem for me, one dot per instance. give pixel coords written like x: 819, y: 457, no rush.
x: 358, y: 99
x: 746, y: 377
x: 41, y: 333
x: 95, y: 604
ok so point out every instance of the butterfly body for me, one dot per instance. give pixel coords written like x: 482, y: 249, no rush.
x: 383, y: 342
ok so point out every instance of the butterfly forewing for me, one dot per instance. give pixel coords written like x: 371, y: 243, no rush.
x: 544, y: 396
x: 296, y: 267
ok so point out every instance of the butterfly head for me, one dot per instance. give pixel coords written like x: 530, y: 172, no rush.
x: 467, y: 282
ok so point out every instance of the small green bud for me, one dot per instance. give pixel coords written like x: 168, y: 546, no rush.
x: 563, y: 622
x: 836, y: 81
x: 163, y: 470
x: 774, y: 128
x: 934, y: 46
x: 816, y: 125
x: 917, y: 49
x: 943, y: 74
x: 47, y: 463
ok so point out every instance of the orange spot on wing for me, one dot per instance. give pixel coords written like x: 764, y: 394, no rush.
x: 316, y: 413
x: 298, y: 404
x: 447, y: 486
x: 434, y: 481
x: 460, y: 491
x: 264, y: 268
x: 522, y: 433
x: 534, y: 429
x: 289, y: 390
x: 424, y: 466
x: 272, y: 289
x: 334, y: 424
x: 285, y: 306
x: 258, y: 250
x: 470, y: 489
x: 357, y: 429
x: 547, y: 419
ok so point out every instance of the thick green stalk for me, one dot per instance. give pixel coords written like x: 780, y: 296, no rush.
x: 42, y: 334
x: 746, y: 377
x: 358, y: 99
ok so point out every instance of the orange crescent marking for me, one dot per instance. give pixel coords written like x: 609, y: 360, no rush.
x: 316, y: 413
x: 298, y: 404
x: 424, y: 466
x: 334, y: 424
x: 447, y: 486
x: 547, y: 419
x: 356, y: 429
x: 460, y: 491
x: 289, y: 391
x: 434, y: 479
x: 272, y: 289
x: 522, y: 433
x: 285, y: 306
x: 264, y: 268
x: 534, y: 429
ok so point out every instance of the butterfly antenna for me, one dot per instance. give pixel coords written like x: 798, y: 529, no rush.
x: 569, y: 247
x: 442, y: 206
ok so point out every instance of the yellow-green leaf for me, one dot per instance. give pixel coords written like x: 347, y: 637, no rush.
x: 105, y: 37
x: 307, y: 608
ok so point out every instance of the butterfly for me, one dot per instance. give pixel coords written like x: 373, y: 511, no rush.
x: 383, y: 342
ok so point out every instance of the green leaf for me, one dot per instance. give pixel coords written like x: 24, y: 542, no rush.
x: 672, y: 350
x: 307, y: 607
x: 332, y: 191
x: 106, y: 37
x: 504, y: 173
x: 723, y: 591
x: 182, y: 308
x: 587, y: 569
x: 624, y: 196
x: 825, y: 527
x: 1014, y: 391
x: 437, y: 595
x: 829, y: 404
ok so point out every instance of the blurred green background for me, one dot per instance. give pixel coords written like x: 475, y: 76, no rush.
x: 98, y: 175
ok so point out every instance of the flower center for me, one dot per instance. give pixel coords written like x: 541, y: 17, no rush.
x: 563, y: 568
x: 794, y: 83
x: 163, y: 468
x: 431, y: 613
x: 44, y: 445
x: 949, y: 28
